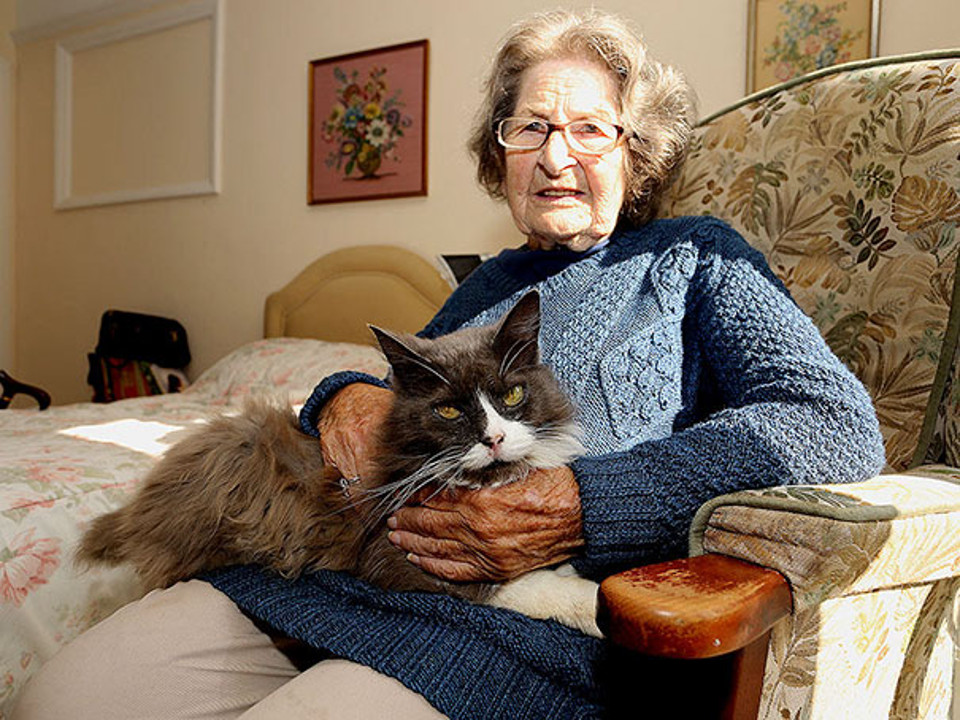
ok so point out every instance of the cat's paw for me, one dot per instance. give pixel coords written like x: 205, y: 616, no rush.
x: 552, y: 595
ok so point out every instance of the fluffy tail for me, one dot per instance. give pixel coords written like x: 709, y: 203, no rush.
x: 244, y: 488
x: 104, y: 541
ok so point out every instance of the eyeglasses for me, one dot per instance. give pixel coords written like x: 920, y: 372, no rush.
x: 591, y: 136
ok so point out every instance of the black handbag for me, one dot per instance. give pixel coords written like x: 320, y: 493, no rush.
x: 130, y: 348
x: 135, y: 336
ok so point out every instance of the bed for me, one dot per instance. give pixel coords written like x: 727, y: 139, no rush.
x: 61, y: 467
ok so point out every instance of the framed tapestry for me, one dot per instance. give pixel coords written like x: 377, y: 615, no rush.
x: 368, y: 124
x: 789, y: 38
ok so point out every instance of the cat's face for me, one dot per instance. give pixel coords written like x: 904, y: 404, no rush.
x: 477, y: 406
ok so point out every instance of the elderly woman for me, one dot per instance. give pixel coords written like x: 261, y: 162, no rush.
x: 693, y: 372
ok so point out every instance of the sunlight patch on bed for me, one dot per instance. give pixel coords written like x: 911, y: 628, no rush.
x: 148, y: 437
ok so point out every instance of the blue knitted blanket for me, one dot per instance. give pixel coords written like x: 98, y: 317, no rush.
x: 468, y: 661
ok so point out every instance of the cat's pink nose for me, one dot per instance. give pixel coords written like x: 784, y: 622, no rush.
x: 493, y: 441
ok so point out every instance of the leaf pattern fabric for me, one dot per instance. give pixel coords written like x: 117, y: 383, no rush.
x: 849, y: 185
x: 874, y: 568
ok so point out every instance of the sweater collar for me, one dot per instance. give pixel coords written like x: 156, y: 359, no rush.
x: 530, y: 265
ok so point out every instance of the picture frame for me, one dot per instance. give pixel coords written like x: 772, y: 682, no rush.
x: 790, y: 38
x: 368, y: 124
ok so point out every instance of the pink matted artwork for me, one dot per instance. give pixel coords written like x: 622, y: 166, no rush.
x: 368, y: 124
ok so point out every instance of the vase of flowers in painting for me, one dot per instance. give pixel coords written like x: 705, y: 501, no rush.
x: 365, y: 122
x: 368, y: 160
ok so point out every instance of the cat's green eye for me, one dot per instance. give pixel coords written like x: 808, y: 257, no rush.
x: 513, y: 396
x: 448, y: 412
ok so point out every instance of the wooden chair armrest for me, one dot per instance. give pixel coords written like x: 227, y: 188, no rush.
x: 697, y: 607
x: 697, y: 630
x: 10, y: 387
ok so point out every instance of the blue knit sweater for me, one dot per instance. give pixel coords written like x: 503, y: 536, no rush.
x: 694, y: 374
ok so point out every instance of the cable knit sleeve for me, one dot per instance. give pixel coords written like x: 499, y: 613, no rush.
x: 784, y: 410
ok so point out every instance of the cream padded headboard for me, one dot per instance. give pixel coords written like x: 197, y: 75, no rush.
x: 335, y: 297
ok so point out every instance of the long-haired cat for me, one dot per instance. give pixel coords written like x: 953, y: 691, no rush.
x: 475, y: 408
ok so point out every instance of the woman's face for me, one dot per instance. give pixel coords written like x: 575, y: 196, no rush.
x: 557, y: 196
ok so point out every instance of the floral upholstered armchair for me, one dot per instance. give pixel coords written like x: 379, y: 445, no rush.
x: 849, y: 181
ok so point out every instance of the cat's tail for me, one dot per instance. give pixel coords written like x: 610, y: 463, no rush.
x: 243, y: 488
x: 104, y: 542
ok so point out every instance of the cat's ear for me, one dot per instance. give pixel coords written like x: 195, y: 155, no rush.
x: 409, y: 367
x: 516, y: 341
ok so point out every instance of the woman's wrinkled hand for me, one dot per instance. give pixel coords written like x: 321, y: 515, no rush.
x: 493, y: 534
x: 349, y: 426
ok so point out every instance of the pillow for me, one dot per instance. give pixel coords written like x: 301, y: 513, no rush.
x: 284, y: 367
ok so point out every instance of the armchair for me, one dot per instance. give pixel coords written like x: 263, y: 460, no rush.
x: 837, y: 601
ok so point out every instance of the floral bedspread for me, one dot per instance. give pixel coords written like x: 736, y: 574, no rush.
x: 61, y: 467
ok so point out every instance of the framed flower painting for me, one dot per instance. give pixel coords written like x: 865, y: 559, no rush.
x: 368, y: 125
x: 789, y: 38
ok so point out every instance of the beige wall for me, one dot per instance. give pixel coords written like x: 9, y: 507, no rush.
x: 210, y: 261
x: 8, y: 23
x: 8, y: 59
x: 915, y: 25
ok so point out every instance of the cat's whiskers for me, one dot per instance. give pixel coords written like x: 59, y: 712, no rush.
x: 556, y: 445
x: 390, y: 497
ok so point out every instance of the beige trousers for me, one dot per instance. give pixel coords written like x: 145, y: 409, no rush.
x: 188, y: 652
